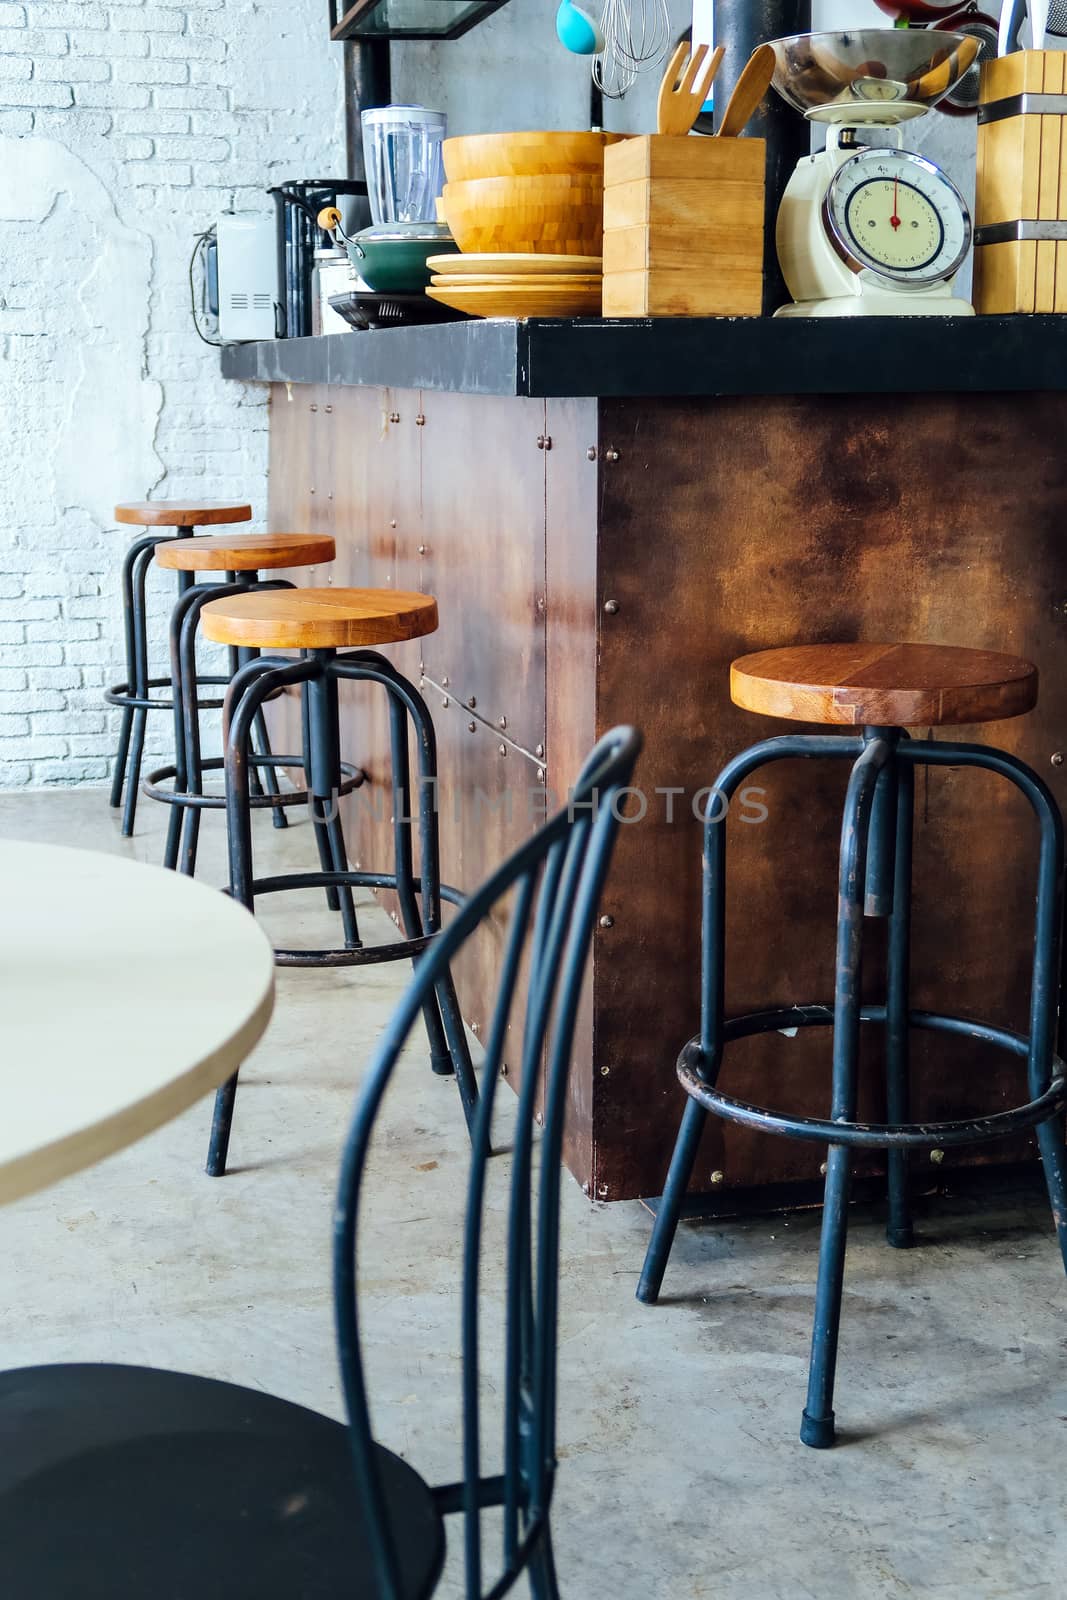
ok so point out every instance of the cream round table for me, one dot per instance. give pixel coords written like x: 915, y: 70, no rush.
x: 126, y: 993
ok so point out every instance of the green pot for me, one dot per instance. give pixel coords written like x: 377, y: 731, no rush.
x: 391, y: 258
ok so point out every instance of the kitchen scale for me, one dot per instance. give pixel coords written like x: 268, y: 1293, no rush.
x: 867, y: 228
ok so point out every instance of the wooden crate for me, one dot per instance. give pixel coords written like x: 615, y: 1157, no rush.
x: 1020, y: 257
x: 683, y: 227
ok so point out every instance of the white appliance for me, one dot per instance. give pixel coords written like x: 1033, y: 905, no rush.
x: 249, y: 292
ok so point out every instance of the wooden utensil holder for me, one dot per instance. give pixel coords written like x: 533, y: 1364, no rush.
x: 1020, y: 256
x: 683, y: 227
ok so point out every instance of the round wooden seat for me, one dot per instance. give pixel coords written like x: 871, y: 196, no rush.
x: 182, y: 513
x: 886, y: 685
x: 245, y: 552
x: 319, y: 619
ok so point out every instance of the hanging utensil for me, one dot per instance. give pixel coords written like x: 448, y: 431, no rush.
x: 685, y: 88
x: 749, y: 90
x: 1012, y: 18
x: 577, y: 31
x: 637, y: 35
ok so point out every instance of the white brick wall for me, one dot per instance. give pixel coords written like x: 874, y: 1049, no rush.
x: 125, y: 128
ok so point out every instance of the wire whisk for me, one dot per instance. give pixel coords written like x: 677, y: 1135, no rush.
x: 637, y: 36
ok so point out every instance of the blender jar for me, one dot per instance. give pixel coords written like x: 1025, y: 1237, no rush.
x: 402, y: 155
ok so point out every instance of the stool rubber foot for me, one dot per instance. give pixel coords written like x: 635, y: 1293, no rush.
x: 818, y: 1432
x: 441, y: 1064
x: 900, y: 1238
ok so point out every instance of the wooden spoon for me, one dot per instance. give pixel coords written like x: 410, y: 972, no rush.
x: 749, y: 90
x: 933, y: 84
x: 682, y: 93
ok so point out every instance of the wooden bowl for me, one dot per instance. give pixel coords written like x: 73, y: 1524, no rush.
x: 558, y: 214
x: 522, y: 155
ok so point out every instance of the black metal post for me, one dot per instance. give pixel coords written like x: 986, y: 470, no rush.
x: 367, y: 83
x: 741, y: 25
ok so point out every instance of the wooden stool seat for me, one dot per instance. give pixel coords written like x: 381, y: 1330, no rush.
x: 182, y: 513
x: 245, y: 552
x: 884, y: 685
x: 319, y: 619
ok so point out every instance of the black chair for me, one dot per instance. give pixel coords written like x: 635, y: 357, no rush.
x: 126, y: 1482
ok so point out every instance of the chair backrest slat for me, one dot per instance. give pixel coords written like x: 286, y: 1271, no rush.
x: 564, y: 865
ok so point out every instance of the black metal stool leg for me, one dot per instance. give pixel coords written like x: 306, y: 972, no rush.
x: 243, y: 700
x: 141, y: 564
x: 670, y: 1207
x: 318, y: 821
x: 817, y: 1427
x: 129, y: 612
x: 324, y: 729
x: 899, y: 1232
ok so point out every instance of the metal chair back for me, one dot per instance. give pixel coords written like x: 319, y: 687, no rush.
x: 552, y: 885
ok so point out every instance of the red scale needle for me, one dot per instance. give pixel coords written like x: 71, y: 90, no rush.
x: 894, y: 219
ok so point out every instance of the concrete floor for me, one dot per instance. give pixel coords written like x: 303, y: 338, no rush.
x: 681, y: 1473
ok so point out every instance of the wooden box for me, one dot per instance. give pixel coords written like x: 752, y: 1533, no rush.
x: 683, y: 227
x: 1020, y: 256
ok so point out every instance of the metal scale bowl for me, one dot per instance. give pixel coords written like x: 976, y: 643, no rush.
x: 871, y: 229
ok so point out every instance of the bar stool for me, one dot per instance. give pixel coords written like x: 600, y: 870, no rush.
x: 882, y: 689
x: 323, y: 623
x: 239, y: 558
x: 176, y: 519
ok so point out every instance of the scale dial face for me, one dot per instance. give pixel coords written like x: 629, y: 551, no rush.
x: 895, y: 215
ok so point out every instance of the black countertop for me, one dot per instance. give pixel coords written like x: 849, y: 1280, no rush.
x: 678, y: 356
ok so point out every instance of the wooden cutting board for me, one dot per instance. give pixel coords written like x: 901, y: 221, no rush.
x: 447, y: 280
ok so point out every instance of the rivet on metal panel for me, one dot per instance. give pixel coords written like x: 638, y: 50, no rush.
x: 540, y: 441
x: 422, y: 549
x: 394, y: 416
x: 540, y: 1119
x: 823, y: 1170
x: 607, y: 922
x: 604, y: 1071
x: 476, y: 1027
x: 611, y: 607
x: 611, y: 455
x: 539, y: 750
x: 548, y: 441
x: 420, y: 420
x: 503, y: 750
x: 472, y: 702
x: 540, y: 602
x: 392, y: 522
x: 444, y: 683
x: 1057, y: 759
x: 445, y: 702
x: 718, y: 1177
x: 540, y: 774
x: 329, y: 495
x: 472, y: 727
x: 590, y: 454
x: 312, y: 489
x: 937, y: 1156
x: 502, y: 724
x: 327, y: 408
x: 505, y: 1069
x: 314, y: 407
x: 603, y: 1191
x: 422, y: 666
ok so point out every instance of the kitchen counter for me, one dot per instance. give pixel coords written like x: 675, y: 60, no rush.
x: 543, y: 358
x: 608, y: 513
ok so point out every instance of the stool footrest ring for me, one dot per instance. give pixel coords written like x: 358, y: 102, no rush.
x: 363, y: 955
x: 354, y: 778
x: 871, y: 1135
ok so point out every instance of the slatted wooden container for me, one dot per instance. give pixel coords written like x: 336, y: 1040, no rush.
x: 1020, y: 257
x: 683, y: 227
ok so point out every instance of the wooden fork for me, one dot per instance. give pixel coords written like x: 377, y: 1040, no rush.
x: 685, y: 88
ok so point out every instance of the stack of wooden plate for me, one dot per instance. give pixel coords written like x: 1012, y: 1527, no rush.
x: 511, y: 285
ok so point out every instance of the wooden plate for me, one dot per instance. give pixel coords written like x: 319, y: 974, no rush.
x: 479, y: 265
x: 448, y: 280
x: 520, y: 300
